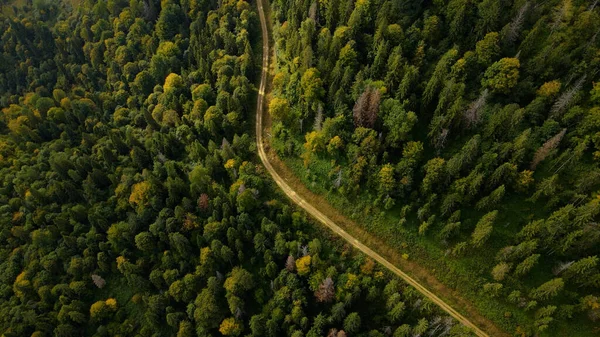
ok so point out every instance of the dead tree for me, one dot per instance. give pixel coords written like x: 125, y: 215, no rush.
x: 326, y: 291
x: 545, y: 149
x: 515, y: 26
x: 566, y: 99
x: 366, y: 108
x: 473, y: 113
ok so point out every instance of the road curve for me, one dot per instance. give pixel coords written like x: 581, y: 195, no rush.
x: 316, y: 213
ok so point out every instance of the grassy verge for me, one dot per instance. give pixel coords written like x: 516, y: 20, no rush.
x: 428, y: 260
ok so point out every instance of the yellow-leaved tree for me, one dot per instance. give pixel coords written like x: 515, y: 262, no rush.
x: 230, y: 327
x: 140, y: 194
x: 303, y: 265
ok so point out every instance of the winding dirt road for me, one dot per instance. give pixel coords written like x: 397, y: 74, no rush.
x: 316, y: 213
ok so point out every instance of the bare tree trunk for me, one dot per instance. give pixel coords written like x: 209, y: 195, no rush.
x: 318, y: 118
x: 473, y: 113
x: 565, y: 100
x: 516, y: 24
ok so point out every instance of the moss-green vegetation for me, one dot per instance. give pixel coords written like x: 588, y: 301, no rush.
x: 463, y: 134
x: 130, y: 204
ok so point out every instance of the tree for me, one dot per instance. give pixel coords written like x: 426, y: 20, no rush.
x: 545, y: 149
x: 352, y: 323
x: 168, y: 21
x: 303, y: 265
x: 279, y: 109
x: 290, y: 264
x: 500, y: 271
x: 98, y: 281
x: 144, y: 241
x: 326, y: 291
x: 583, y: 271
x: 483, y: 229
x: 491, y: 200
x: 548, y: 290
x: 101, y: 309
x: 489, y: 16
x: 140, y: 194
x: 186, y: 329
x: 549, y: 89
x: 204, y: 92
x: 312, y: 89
x: 180, y: 243
x: 387, y: 181
x: 595, y: 93
x: 173, y: 82
x: 458, y: 12
x: 493, y: 289
x: 397, y: 121
x: 514, y: 27
x: 434, y: 171
x: 239, y: 281
x: 230, y: 327
x: 366, y: 108
x: 315, y: 143
x: 421, y: 327
x: 487, y: 49
x: 208, y: 313
x: 438, y: 77
x: 502, y: 76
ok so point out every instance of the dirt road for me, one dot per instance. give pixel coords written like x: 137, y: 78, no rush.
x: 316, y: 213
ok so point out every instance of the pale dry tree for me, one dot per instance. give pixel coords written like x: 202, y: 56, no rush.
x: 225, y: 143
x: 366, y: 108
x: 290, y: 264
x: 319, y: 118
x: 326, y: 291
x: 440, y: 140
x: 203, y: 201
x: 558, y: 269
x: 516, y: 24
x: 312, y: 11
x: 238, y: 313
x: 304, y: 250
x: 338, y: 180
x: 566, y: 99
x: 473, y: 113
x: 545, y: 149
x: 98, y: 281
x: 559, y: 14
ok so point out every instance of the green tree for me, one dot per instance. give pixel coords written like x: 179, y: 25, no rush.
x: 312, y: 89
x: 502, y: 76
x: 397, y: 122
x: 352, y: 323
x: 487, y: 49
x: 169, y: 21
x: 548, y: 290
x: 483, y: 229
x: 208, y: 313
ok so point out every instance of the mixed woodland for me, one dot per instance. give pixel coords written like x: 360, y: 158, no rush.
x: 466, y: 131
x: 131, y: 199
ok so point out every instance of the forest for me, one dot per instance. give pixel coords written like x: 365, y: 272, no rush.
x: 131, y: 199
x: 463, y: 132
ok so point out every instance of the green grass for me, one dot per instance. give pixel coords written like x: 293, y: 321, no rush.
x: 466, y: 274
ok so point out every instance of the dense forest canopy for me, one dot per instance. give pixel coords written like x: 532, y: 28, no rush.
x: 474, y: 125
x: 131, y: 203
